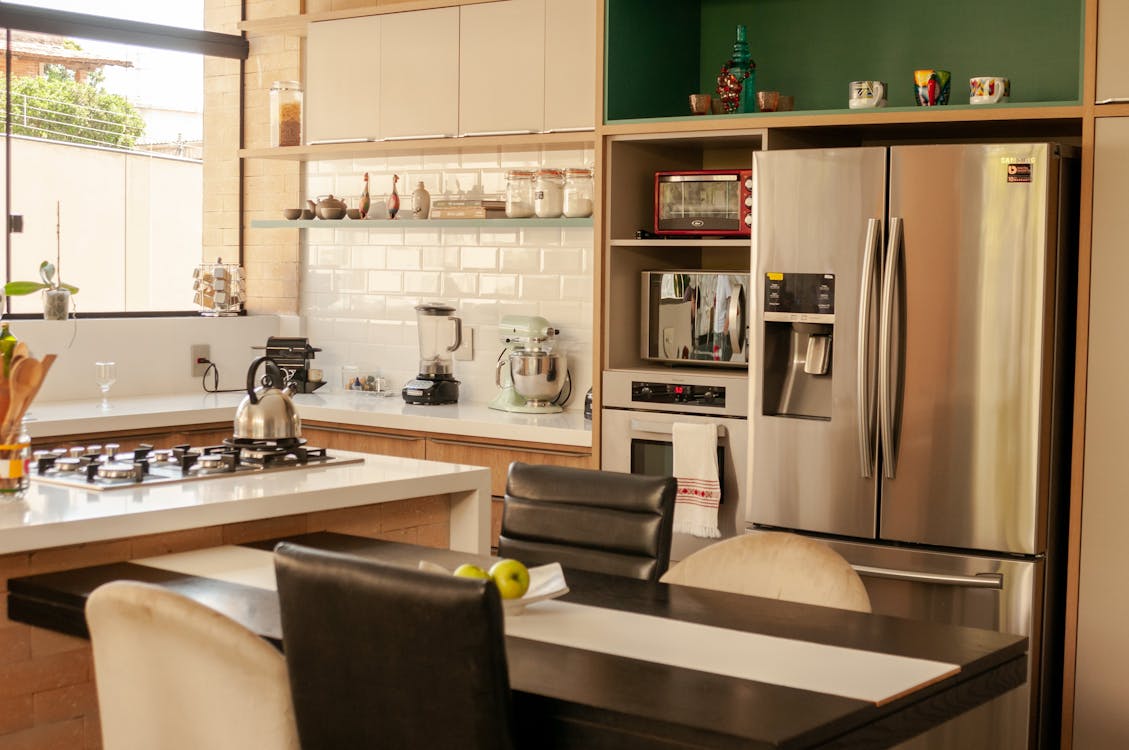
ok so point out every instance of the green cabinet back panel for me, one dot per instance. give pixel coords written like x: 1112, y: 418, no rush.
x: 652, y: 57
x: 812, y: 49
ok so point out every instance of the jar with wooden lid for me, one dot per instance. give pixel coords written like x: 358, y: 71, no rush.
x: 519, y: 193
x: 286, y: 113
x: 548, y: 193
x: 577, y: 193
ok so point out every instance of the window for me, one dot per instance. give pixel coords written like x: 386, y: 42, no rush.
x: 106, y: 159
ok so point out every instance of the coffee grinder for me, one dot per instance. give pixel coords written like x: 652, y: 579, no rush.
x: 440, y: 334
x: 531, y: 376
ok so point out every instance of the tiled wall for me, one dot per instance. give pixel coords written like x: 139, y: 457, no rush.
x: 359, y: 287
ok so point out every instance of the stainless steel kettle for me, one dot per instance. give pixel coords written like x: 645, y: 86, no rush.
x: 267, y: 413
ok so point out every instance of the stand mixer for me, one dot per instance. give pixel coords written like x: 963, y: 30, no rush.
x: 532, y: 377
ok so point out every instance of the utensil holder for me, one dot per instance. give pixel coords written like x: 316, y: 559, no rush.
x: 14, y: 460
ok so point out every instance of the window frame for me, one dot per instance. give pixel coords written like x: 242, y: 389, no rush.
x: 121, y: 31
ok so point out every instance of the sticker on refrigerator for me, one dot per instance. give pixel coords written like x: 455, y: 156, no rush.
x: 1019, y: 173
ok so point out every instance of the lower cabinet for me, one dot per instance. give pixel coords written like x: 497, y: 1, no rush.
x: 196, y: 435
x: 405, y: 445
x: 497, y: 456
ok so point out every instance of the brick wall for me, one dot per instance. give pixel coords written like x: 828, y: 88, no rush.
x: 47, y: 694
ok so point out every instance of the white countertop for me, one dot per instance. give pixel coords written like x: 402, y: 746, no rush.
x: 51, y: 516
x: 351, y: 409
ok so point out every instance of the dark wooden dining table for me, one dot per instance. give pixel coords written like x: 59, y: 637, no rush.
x: 565, y: 696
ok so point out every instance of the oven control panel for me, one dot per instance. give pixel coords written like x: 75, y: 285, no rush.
x: 652, y: 392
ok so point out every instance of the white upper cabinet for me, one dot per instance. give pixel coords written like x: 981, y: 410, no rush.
x: 342, y: 90
x: 502, y: 67
x: 419, y: 74
x: 570, y: 65
x: 1113, y: 52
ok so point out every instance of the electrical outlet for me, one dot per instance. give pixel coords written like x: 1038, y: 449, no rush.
x: 465, y: 352
x: 200, y: 351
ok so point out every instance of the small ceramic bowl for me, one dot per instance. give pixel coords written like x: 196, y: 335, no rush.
x: 353, y: 213
x: 307, y: 214
x: 292, y: 213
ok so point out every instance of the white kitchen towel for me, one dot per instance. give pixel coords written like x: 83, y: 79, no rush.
x: 695, y: 468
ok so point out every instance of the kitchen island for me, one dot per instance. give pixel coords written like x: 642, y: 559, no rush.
x: 49, y: 699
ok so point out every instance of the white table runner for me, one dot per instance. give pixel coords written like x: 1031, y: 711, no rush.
x: 847, y: 672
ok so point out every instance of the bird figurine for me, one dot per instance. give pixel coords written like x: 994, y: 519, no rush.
x: 394, y: 199
x: 365, y: 200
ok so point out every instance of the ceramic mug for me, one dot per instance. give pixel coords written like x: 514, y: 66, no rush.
x: 988, y: 89
x: 931, y: 87
x: 867, y: 94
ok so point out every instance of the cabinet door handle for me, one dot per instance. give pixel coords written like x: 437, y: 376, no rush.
x: 978, y: 581
x: 468, y: 444
x: 496, y: 132
x: 662, y: 428
x: 390, y: 436
x: 429, y: 136
x: 580, y: 129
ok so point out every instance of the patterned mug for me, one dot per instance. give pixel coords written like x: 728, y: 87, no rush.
x: 988, y: 90
x: 866, y: 94
x: 931, y: 87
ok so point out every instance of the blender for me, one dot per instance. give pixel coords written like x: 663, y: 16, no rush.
x: 440, y: 334
x: 532, y: 377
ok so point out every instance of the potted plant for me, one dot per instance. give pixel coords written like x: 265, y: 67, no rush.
x: 56, y: 294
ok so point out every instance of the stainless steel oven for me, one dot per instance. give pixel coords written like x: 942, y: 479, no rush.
x: 639, y: 412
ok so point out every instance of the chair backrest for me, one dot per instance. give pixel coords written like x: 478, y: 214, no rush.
x: 174, y: 674
x: 775, y: 565
x: 390, y: 657
x: 601, y: 521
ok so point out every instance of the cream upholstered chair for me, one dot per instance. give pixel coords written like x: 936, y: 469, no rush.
x: 174, y: 674
x: 774, y: 565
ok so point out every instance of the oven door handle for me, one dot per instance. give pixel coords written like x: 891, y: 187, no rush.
x: 978, y: 581
x: 662, y: 428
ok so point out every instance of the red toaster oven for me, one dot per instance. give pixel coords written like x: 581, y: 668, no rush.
x: 705, y: 202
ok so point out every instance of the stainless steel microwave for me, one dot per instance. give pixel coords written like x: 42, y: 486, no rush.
x: 695, y: 317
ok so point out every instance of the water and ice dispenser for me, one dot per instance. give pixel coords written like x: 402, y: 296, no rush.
x: 799, y: 327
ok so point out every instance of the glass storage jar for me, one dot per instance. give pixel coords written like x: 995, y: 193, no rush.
x: 15, y: 460
x: 286, y: 113
x: 578, y: 193
x: 519, y: 193
x: 548, y: 193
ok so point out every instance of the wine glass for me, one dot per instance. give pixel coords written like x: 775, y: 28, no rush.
x: 105, y: 375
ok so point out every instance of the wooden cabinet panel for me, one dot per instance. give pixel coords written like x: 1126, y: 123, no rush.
x: 498, y: 458
x: 1113, y: 53
x: 502, y: 67
x: 570, y: 64
x: 419, y: 74
x: 342, y: 92
x: 387, y: 444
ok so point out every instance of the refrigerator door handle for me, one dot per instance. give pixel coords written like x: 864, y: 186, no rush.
x: 865, y: 409
x: 886, y: 348
x: 978, y: 581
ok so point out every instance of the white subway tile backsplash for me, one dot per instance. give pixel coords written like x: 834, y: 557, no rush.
x: 385, y: 281
x: 519, y: 259
x: 540, y: 287
x: 460, y: 284
x: 422, y: 282
x: 403, y: 258
x: 497, y: 285
x: 360, y: 288
x: 484, y: 258
x: 562, y: 260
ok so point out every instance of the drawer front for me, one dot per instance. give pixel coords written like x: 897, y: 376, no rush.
x: 388, y: 444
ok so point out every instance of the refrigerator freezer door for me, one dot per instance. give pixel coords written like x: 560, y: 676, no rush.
x: 972, y: 331
x: 986, y: 592
x: 818, y: 212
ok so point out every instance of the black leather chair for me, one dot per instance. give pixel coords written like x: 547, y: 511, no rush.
x: 601, y: 521
x: 389, y: 657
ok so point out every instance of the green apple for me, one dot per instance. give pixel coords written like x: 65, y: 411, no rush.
x: 511, y: 578
x: 471, y: 571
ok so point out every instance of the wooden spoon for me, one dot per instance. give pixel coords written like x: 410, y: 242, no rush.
x: 25, y: 378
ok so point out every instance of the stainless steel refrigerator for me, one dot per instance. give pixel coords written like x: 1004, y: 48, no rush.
x: 910, y: 383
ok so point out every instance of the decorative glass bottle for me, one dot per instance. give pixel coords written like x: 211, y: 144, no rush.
x: 737, y: 82
x: 421, y: 202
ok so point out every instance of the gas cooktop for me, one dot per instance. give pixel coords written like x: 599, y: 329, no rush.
x: 105, y: 467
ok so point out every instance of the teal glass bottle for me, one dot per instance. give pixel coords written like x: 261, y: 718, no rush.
x: 744, y: 70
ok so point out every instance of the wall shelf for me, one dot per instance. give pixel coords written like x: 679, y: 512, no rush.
x: 420, y: 223
x: 462, y: 144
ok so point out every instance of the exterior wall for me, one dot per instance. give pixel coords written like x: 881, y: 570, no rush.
x: 47, y: 694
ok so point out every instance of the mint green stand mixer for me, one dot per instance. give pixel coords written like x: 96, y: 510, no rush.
x: 532, y: 374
